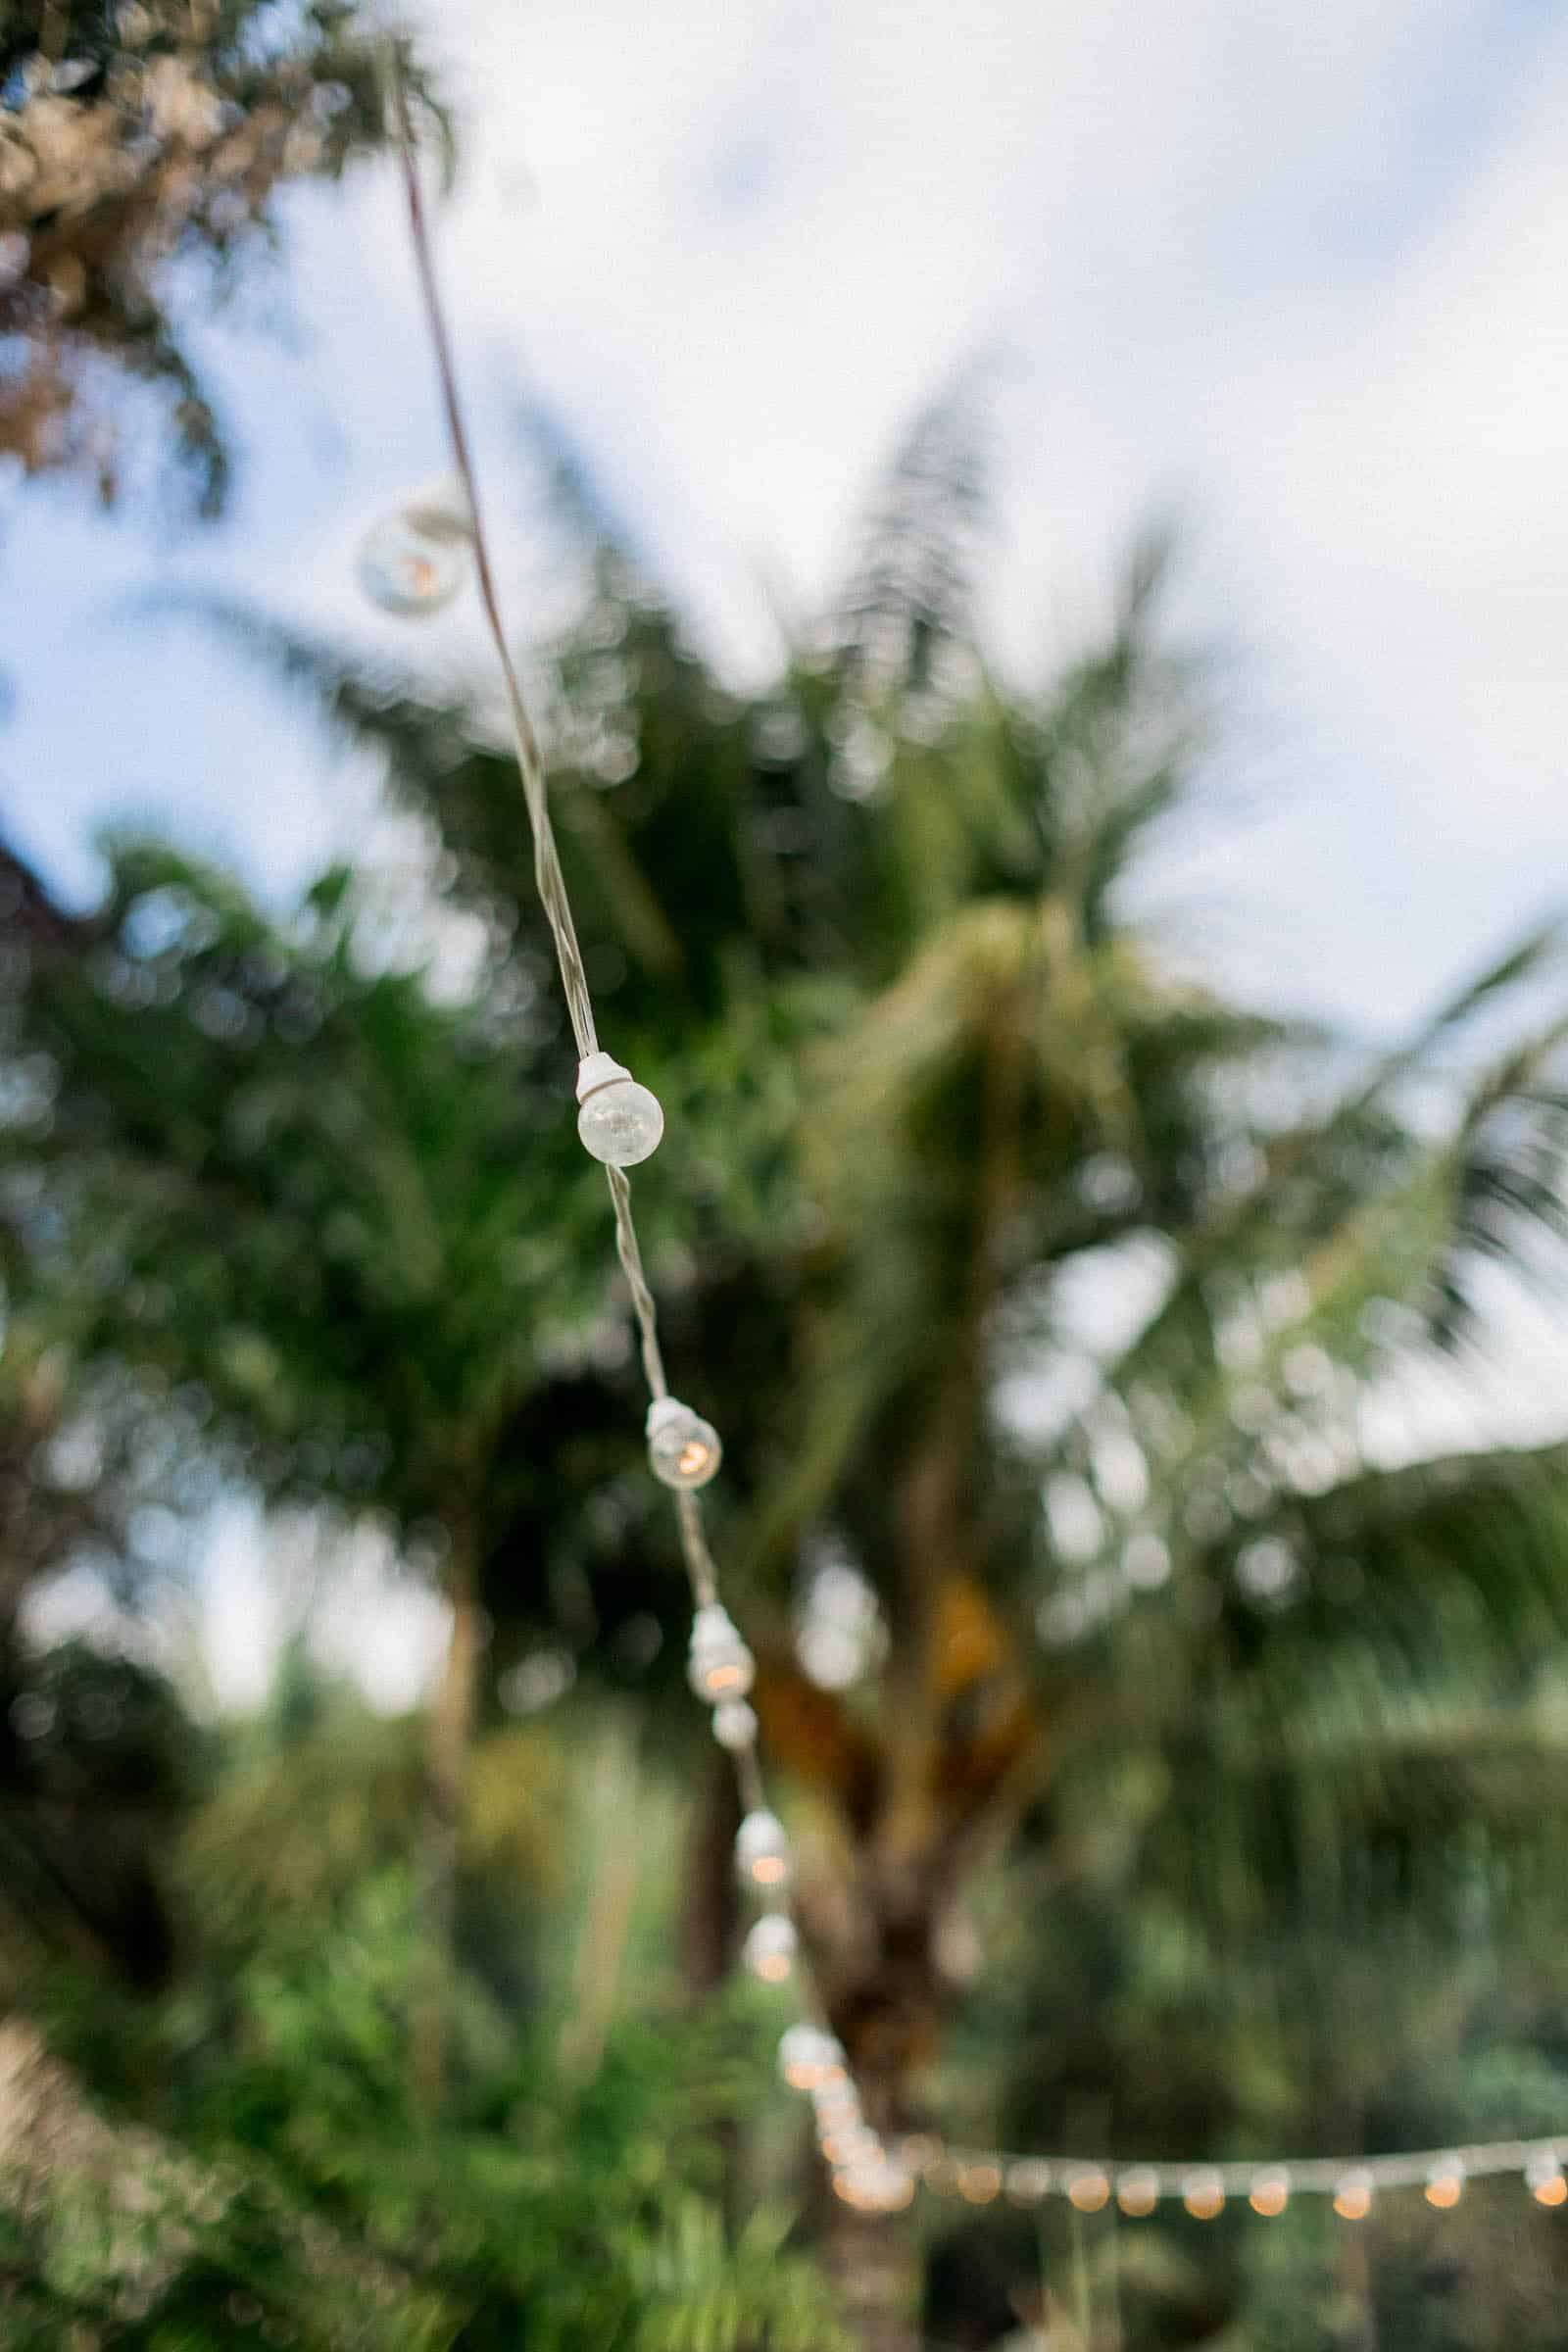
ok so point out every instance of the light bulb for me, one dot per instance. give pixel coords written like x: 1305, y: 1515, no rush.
x: 769, y: 1950
x: 1270, y: 2193
x: 978, y: 2184
x: 683, y: 1450
x: 1352, y: 2199
x: 414, y: 562
x: 1445, y: 2184
x: 1089, y: 2190
x: 763, y: 1850
x: 1543, y: 2178
x: 808, y: 2058
x: 1028, y: 2180
x: 719, y: 1666
x: 1138, y: 2192
x: 873, y: 2183
x: 734, y: 1724
x: 619, y: 1121
x: 1204, y: 2195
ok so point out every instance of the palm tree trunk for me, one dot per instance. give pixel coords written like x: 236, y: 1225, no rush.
x: 448, y: 1737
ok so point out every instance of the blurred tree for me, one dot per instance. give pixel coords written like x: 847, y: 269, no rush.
x: 1040, y: 1292
x: 143, y: 144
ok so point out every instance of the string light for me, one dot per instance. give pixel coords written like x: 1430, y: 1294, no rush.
x: 1138, y: 2192
x: 762, y: 1849
x: 808, y: 2058
x: 413, y: 561
x: 735, y: 1725
x: 719, y: 1666
x: 1204, y: 2195
x: 1445, y: 2184
x: 769, y: 1949
x: 1352, y: 2199
x: 619, y: 1121
x: 683, y: 1450
x: 413, y: 564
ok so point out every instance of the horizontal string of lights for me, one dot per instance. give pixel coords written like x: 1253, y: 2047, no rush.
x: 413, y: 565
x: 1267, y: 2185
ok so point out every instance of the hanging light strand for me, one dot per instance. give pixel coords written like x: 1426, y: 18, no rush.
x: 684, y: 1450
x: 1265, y: 2184
x: 684, y: 1453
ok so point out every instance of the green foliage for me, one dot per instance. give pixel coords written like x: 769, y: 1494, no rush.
x: 142, y: 147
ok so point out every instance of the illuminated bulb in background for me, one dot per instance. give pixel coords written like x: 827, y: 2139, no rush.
x: 978, y: 2184
x: 414, y: 562
x: 718, y: 1666
x: 1445, y: 2184
x: 1138, y: 2192
x: 872, y: 2184
x: 763, y: 1850
x: 769, y: 1950
x: 734, y: 1724
x: 1028, y: 2180
x: 1204, y: 2195
x: 807, y: 2058
x: 683, y: 1450
x: 619, y: 1121
x: 1352, y: 2199
x: 1088, y: 2191
x: 1543, y: 2178
x: 1270, y: 2193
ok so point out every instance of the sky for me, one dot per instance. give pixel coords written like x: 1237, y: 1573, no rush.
x: 1298, y: 276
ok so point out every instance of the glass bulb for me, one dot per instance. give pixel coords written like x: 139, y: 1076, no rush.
x: 1138, y: 2192
x: 873, y: 2183
x: 808, y: 2058
x: 1028, y: 2180
x: 763, y: 1850
x: 1543, y: 2178
x: 1087, y: 2191
x: 719, y: 1665
x: 1204, y: 2195
x: 1445, y: 2184
x: 620, y: 1122
x: 1270, y: 2193
x: 979, y: 2183
x: 683, y: 1450
x: 414, y: 562
x: 734, y: 1724
x: 769, y: 1950
x: 1352, y: 2199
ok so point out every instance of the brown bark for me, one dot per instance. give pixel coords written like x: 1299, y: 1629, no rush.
x: 448, y: 1737
x: 875, y: 2262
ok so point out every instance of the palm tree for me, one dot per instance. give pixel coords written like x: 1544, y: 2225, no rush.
x: 945, y: 1112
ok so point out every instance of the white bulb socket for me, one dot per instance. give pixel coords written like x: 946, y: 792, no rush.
x: 769, y: 1950
x: 619, y: 1122
x: 683, y: 1450
x: 719, y: 1667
